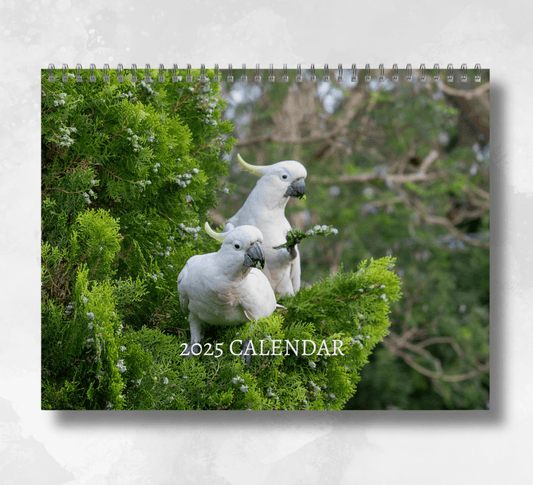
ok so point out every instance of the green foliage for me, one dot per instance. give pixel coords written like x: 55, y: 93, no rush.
x: 340, y: 319
x: 79, y: 350
x: 129, y: 173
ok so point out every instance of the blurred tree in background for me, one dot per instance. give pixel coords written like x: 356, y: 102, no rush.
x: 400, y: 169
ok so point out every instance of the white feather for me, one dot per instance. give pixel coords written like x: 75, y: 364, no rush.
x: 265, y: 209
x: 219, y: 289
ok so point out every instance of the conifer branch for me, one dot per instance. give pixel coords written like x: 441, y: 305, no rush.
x: 46, y: 191
x: 212, y: 142
x: 111, y: 173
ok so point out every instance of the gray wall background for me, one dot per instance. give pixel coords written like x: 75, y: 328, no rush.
x: 340, y: 448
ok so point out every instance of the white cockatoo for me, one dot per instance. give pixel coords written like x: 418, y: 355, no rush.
x: 226, y: 288
x: 265, y: 209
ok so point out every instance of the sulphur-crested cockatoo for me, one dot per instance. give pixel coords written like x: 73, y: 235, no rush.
x: 226, y: 288
x: 265, y: 209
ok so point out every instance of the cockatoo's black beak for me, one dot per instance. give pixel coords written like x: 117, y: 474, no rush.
x: 255, y: 256
x: 296, y: 189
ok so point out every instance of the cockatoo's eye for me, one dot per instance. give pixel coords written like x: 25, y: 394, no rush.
x: 284, y: 177
x: 237, y: 245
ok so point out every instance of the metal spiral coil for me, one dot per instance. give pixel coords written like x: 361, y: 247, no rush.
x: 258, y: 77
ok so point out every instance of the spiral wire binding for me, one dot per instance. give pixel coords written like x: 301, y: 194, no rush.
x: 423, y: 74
x: 230, y: 74
x: 147, y: 77
x: 313, y: 74
x: 368, y: 77
x: 396, y: 75
x: 299, y: 77
x: 436, y: 77
x: 354, y: 73
x: 326, y: 78
x: 120, y: 77
x: 409, y: 75
x: 106, y: 73
x: 339, y: 74
x: 450, y: 76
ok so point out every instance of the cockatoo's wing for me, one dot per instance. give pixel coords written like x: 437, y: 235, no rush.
x: 190, y: 282
x: 265, y: 209
x: 258, y: 299
x: 182, y: 285
x: 225, y: 288
x: 295, y: 272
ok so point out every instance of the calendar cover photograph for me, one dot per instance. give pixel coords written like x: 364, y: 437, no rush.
x: 265, y: 239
